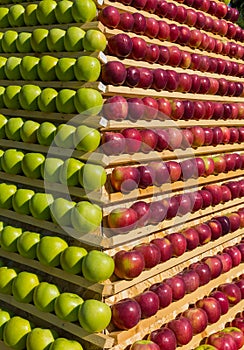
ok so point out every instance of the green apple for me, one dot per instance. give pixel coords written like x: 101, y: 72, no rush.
x: 97, y: 266
x: 4, y: 318
x: 61, y: 211
x: 94, y: 315
x: 88, y: 101
x: 67, y: 305
x: 46, y: 67
x: 28, y: 131
x: 63, y: 11
x: 30, y: 15
x: 12, y: 128
x: 7, y: 275
x: 55, y: 39
x: 50, y: 169
x: 3, y: 61
x: 8, y: 41
x: 65, y: 67
x: 92, y: 177
x: 73, y: 39
x: 12, y: 68
x: 49, y: 250
x: 23, y: 286
x: 28, y: 68
x: 39, y: 206
x: 2, y: 90
x: 63, y: 343
x: 31, y: 165
x: 86, y: 217
x: 69, y: 173
x: 84, y: 10
x: 4, y: 23
x: 3, y: 122
x: 23, y: 42
x: 64, y: 136
x: 39, y: 40
x: 6, y: 194
x: 71, y: 259
x: 65, y: 101
x: 205, y: 347
x: 1, y: 154
x: 46, y: 133
x: 9, y: 237
x: 94, y: 40
x: 47, y: 100
x: 21, y: 199
x: 45, y: 12
x: 16, y: 15
x: 86, y: 139
x: 11, y: 97
x: 1, y: 36
x: 15, y: 333
x: 11, y: 161
x: 44, y: 296
x: 28, y: 97
x: 87, y: 68
x: 27, y: 243
x: 39, y: 339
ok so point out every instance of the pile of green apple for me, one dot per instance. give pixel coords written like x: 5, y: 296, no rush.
x: 26, y: 287
x: 83, y: 216
x: 74, y: 39
x: 87, y: 101
x: 48, y: 12
x: 83, y: 138
x: 94, y: 266
x: 47, y: 68
x: 71, y: 171
x: 18, y: 333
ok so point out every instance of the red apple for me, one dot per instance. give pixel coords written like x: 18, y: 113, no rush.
x: 178, y: 242
x: 113, y: 143
x: 122, y: 220
x: 149, y: 140
x: 198, y: 319
x: 192, y: 238
x: 203, y: 271
x: 212, y: 307
x: 222, y: 341
x: 222, y: 299
x: 126, y: 313
x: 215, y: 227
x: 178, y: 287
x: 226, y: 261
x: 135, y: 109
x: 132, y: 139
x: 165, y: 247
x: 110, y: 16
x: 164, y: 293
x: 215, y: 265
x: 120, y: 45
x: 149, y: 303
x: 151, y: 254
x: 235, y: 255
x: 182, y: 328
x: 204, y: 233
x: 125, y: 179
x: 129, y: 264
x: 143, y: 212
x: 165, y: 338
x: 191, y: 279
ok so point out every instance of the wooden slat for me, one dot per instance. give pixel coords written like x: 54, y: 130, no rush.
x: 98, y: 339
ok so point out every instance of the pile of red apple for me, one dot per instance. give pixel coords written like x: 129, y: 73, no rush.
x: 132, y: 140
x: 148, y: 108
x: 123, y: 220
x: 130, y: 264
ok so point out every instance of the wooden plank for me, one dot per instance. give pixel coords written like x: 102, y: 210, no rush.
x: 98, y: 339
x: 3, y: 346
x: 139, y: 92
x: 145, y: 326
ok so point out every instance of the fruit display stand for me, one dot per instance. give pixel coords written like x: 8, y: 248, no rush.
x: 109, y: 237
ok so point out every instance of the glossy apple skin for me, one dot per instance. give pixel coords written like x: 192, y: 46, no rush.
x: 226, y: 261
x: 150, y: 252
x: 222, y: 341
x: 237, y: 335
x: 203, y: 271
x: 122, y: 220
x: 204, y: 233
x: 178, y: 242
x: 149, y: 303
x: 143, y: 212
x: 239, y: 323
x: 235, y: 255
x: 129, y: 264
x: 164, y: 293
x: 232, y: 291
x: 198, y: 319
x: 215, y: 265
x: 216, y: 228
x: 125, y: 179
x: 235, y: 221
x: 191, y: 279
x: 222, y: 299
x: 225, y: 223
x: 126, y: 313
x: 165, y: 338
x: 165, y: 247
x: 178, y: 287
x: 192, y: 238
x: 182, y: 329
x: 212, y: 308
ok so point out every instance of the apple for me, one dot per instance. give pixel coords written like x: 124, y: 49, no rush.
x: 165, y: 247
x: 149, y: 140
x: 182, y: 328
x: 150, y: 252
x: 132, y: 137
x: 15, y: 332
x: 63, y: 343
x: 44, y: 296
x: 178, y: 287
x: 172, y: 206
x: 174, y: 170
x: 212, y: 307
x: 198, y: 319
x: 45, y: 12
x: 73, y: 39
x: 64, y: 100
x: 191, y: 279
x: 235, y: 221
x: 144, y: 345
x: 4, y: 22
x: 31, y: 165
x: 24, y: 285
x: 143, y: 212
x: 122, y: 220
x: 94, y: 182
x: 178, y: 242
x: 129, y: 264
x: 94, y: 40
x: 236, y: 334
x: 47, y: 100
x: 240, y: 284
x: 46, y: 67
x: 232, y: 291
x: 12, y: 68
x: 11, y: 100
x: 203, y: 271
x: 6, y: 194
x: 192, y: 237
x: 26, y: 244
x: 69, y: 172
x: 125, y: 179
x: 40, y: 338
x: 64, y: 68
x: 11, y: 161
x: 86, y: 217
x: 49, y: 250
x: 113, y: 143
x: 164, y: 337
x: 64, y: 136
x: 83, y: 11
x: 87, y: 68
x: 215, y: 265
x: 46, y: 133
x: 113, y: 73
x: 238, y: 322
x: 8, y: 41
x: 39, y: 40
x: 222, y: 341
x: 216, y: 228
x: 39, y: 205
x: 109, y: 16
x: 88, y: 101
x: 21, y: 199
x: 131, y: 76
x: 55, y: 40
x: 116, y: 108
x: 50, y: 169
x: 71, y: 259
x: 7, y: 276
x: 3, y: 121
x: 204, y: 233
x: 222, y: 299
x: 216, y: 193
x: 67, y: 305
x: 149, y: 303
x: 61, y: 211
x: 4, y: 318
x: 90, y: 263
x: 94, y: 315
x: 126, y: 313
x: 225, y: 223
x: 30, y: 15
x: 28, y: 131
x: 146, y: 176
